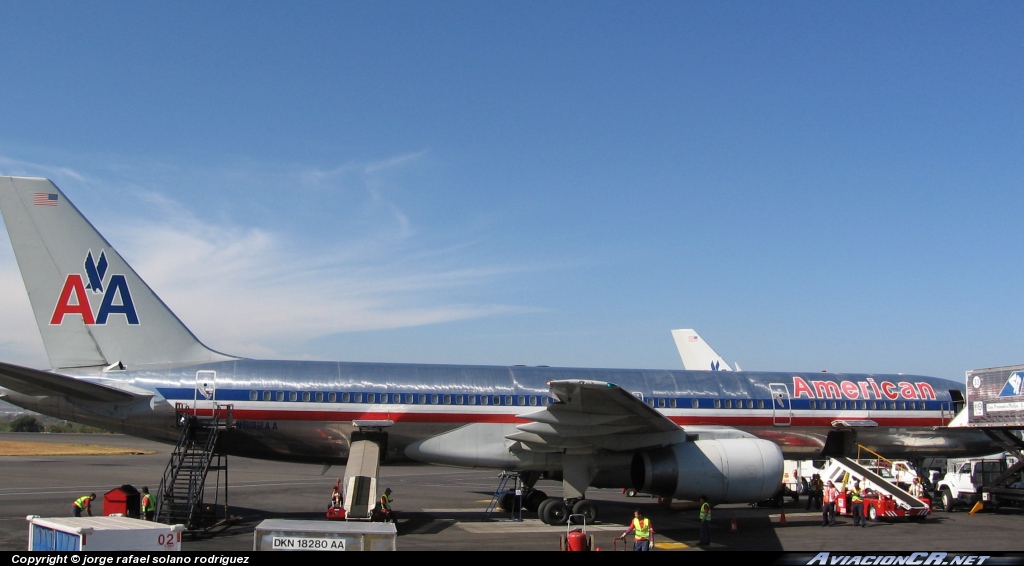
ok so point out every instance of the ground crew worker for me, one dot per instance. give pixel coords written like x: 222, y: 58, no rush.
x: 83, y: 503
x: 916, y: 488
x: 857, y: 503
x: 148, y: 507
x: 385, y: 506
x: 705, y: 522
x: 335, y: 498
x: 828, y: 508
x: 642, y: 531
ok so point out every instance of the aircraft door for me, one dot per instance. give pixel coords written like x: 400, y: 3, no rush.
x: 782, y: 410
x: 206, y: 390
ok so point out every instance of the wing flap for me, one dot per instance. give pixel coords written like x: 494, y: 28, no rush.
x: 39, y: 383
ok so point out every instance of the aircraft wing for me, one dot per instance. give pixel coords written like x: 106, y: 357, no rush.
x: 40, y: 383
x: 594, y: 415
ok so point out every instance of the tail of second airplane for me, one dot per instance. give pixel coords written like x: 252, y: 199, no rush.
x: 91, y: 307
x: 696, y: 353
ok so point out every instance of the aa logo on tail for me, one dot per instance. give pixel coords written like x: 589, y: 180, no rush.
x: 73, y: 300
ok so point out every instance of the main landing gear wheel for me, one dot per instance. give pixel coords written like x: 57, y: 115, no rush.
x: 509, y: 502
x: 586, y: 508
x: 554, y: 513
x: 533, y: 500
x: 540, y: 510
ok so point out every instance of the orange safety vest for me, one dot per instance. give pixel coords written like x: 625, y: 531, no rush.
x: 831, y: 493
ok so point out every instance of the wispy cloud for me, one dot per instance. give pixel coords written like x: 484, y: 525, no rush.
x: 260, y: 292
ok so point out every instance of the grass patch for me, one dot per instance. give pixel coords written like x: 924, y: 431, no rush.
x: 8, y: 448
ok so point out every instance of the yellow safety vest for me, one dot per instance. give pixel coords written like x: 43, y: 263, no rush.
x: 705, y: 512
x: 641, y: 529
x: 147, y: 502
x: 385, y: 502
x: 81, y: 502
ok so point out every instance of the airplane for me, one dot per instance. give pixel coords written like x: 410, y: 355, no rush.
x: 121, y: 360
x: 698, y: 354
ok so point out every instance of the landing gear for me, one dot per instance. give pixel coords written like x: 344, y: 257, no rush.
x: 553, y: 512
x: 533, y: 500
x: 557, y: 511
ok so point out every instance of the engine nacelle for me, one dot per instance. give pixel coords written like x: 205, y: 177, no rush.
x: 737, y: 470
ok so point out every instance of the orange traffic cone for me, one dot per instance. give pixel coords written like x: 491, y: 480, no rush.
x: 782, y: 518
x: 735, y: 527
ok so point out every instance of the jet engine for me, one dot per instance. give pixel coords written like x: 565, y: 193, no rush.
x: 735, y: 470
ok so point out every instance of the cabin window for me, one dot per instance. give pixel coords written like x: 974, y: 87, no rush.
x: 835, y: 405
x: 695, y: 403
x: 471, y: 399
x: 750, y: 403
x: 319, y: 397
x: 718, y: 403
x: 874, y: 405
x: 892, y: 405
x: 332, y: 397
x: 305, y: 396
x: 293, y: 396
x: 421, y: 399
x: 345, y: 398
x: 508, y: 400
x: 409, y: 398
x: 672, y: 403
x: 812, y: 404
x: 533, y: 400
x: 435, y: 400
x: 485, y: 399
x: 521, y: 400
x: 912, y: 405
x: 650, y: 402
x: 863, y: 405
x: 546, y: 401
x: 447, y: 399
x: 728, y: 403
x: 266, y: 396
x: 458, y: 399
x: 371, y: 397
x: 760, y: 403
x: 357, y: 397
x: 254, y: 395
x: 661, y: 403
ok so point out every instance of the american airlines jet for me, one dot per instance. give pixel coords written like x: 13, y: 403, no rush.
x: 121, y: 360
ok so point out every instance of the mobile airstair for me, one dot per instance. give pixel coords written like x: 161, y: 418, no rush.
x: 180, y: 499
x: 840, y: 467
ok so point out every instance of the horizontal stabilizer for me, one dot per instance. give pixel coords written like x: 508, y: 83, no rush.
x: 43, y: 384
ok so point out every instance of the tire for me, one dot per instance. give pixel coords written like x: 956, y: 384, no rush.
x: 872, y: 513
x: 556, y: 513
x: 631, y: 492
x: 533, y: 500
x: 540, y: 510
x: 586, y: 508
x: 947, y: 500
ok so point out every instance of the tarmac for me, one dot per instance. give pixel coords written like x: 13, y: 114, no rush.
x: 443, y: 509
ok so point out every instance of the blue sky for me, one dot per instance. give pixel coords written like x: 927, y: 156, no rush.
x: 810, y: 185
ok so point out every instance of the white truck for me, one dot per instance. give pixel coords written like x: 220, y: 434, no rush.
x: 974, y: 480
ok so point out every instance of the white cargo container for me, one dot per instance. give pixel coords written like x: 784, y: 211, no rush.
x: 282, y: 534
x: 84, y: 534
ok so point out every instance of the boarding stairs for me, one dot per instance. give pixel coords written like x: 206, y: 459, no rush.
x: 180, y: 497
x: 509, y: 499
x: 841, y: 464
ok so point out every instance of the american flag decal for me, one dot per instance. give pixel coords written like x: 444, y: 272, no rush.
x: 693, y: 338
x: 45, y: 199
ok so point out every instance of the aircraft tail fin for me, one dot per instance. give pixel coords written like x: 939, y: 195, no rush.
x: 696, y: 353
x: 91, y: 307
